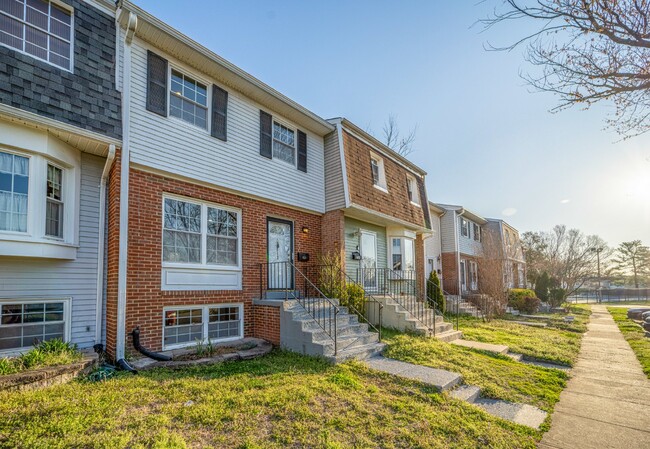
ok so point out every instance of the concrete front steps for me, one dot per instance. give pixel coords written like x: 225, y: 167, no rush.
x: 399, y: 317
x: 455, y: 302
x: 452, y: 384
x: 303, y: 334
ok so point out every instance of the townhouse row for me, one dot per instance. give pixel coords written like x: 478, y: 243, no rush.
x: 146, y: 182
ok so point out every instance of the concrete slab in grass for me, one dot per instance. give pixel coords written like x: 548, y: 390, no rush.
x: 440, y: 379
x: 498, y: 349
x: 523, y: 414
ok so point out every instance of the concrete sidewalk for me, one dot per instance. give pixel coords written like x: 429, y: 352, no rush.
x: 607, y: 401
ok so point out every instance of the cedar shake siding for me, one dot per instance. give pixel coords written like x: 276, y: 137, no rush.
x: 85, y: 96
x: 395, y: 202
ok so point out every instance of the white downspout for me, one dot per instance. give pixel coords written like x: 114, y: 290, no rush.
x: 100, y: 245
x: 458, y: 231
x: 124, y: 188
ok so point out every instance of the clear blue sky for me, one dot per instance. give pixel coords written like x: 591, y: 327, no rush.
x: 485, y: 140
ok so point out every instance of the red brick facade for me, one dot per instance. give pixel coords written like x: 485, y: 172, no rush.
x: 333, y: 233
x: 395, y: 203
x: 145, y: 299
x: 450, y: 270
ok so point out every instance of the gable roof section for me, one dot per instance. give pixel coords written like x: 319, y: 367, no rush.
x: 464, y: 212
x: 173, y: 42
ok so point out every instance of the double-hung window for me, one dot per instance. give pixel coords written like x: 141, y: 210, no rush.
x: 464, y: 227
x: 403, y: 254
x: 14, y: 185
x: 188, y: 99
x: 284, y: 143
x: 25, y: 323
x: 184, y: 326
x: 477, y: 232
x: 39, y: 28
x: 54, y: 205
x: 201, y: 233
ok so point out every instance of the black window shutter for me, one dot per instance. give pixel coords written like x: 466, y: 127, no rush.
x: 302, y: 151
x: 266, y: 142
x: 156, y: 84
x: 219, y: 113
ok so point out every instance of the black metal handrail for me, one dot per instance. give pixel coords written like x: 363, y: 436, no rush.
x: 337, y: 277
x: 286, y: 277
x: 402, y: 287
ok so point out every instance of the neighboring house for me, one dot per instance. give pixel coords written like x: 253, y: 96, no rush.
x: 60, y: 121
x: 507, y: 241
x: 222, y: 174
x: 374, y: 200
x: 433, y: 243
x: 462, y: 248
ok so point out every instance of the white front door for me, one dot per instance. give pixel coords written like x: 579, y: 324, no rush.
x: 368, y: 248
x: 280, y: 254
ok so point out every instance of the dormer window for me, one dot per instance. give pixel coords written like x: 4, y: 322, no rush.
x: 188, y: 100
x: 412, y: 188
x: 378, y: 173
x: 38, y: 28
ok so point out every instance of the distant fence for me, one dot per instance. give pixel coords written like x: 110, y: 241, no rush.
x: 610, y: 295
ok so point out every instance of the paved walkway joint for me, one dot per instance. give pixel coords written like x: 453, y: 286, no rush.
x: 605, y: 404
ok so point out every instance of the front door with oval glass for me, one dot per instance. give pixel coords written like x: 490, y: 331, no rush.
x: 280, y: 254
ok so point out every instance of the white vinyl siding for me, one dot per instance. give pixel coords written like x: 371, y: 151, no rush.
x: 22, y: 278
x: 448, y: 229
x: 175, y: 147
x: 334, y: 190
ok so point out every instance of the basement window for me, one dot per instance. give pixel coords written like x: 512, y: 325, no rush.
x: 185, y: 326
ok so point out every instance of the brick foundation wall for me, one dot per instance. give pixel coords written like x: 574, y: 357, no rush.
x: 112, y: 251
x: 146, y: 300
x: 450, y: 273
x: 266, y: 323
x: 333, y: 234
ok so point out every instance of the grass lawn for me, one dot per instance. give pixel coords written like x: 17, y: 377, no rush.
x: 559, y: 342
x: 281, y: 400
x: 634, y: 335
x: 499, y: 376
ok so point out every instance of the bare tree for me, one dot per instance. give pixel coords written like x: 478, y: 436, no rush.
x: 393, y: 139
x: 632, y: 257
x: 491, y: 273
x: 588, y: 51
x: 567, y: 255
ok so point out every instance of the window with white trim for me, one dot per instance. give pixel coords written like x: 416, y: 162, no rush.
x: 464, y: 227
x: 14, y: 190
x: 54, y: 204
x: 378, y: 172
x: 188, y: 99
x: 201, y: 233
x: 284, y: 143
x: 477, y: 232
x: 185, y: 326
x: 403, y: 254
x: 24, y: 324
x: 473, y: 275
x: 39, y: 28
x: 413, y: 192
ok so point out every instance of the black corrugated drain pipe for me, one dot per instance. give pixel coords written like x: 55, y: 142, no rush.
x: 152, y: 355
x: 124, y: 366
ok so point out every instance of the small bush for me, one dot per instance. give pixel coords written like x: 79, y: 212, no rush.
x: 519, y: 294
x: 47, y: 353
x: 7, y: 366
x: 434, y: 292
x: 355, y: 297
x: 527, y: 305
